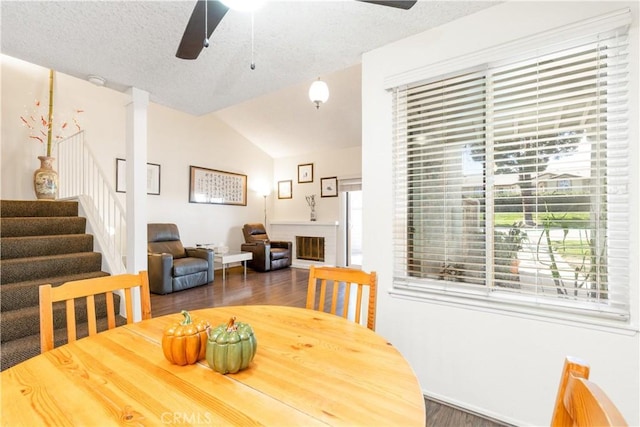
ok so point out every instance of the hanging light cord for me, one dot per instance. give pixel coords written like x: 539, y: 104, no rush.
x: 253, y: 62
x: 205, y: 42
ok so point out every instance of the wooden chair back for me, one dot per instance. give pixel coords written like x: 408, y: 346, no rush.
x: 581, y: 402
x: 333, y: 277
x: 89, y: 288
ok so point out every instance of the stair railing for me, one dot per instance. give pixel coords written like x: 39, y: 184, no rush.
x: 81, y: 178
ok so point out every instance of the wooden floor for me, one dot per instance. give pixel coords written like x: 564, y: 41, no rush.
x: 281, y: 287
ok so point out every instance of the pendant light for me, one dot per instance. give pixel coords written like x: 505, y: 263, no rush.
x: 318, y: 92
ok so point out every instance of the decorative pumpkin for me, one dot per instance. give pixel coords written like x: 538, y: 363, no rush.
x: 185, y: 342
x: 231, y: 347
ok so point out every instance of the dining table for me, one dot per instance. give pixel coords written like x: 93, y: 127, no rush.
x: 310, y: 368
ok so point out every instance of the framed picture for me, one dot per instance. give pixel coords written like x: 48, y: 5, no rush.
x: 217, y: 187
x: 284, y: 189
x: 305, y: 173
x: 329, y: 187
x: 153, y: 177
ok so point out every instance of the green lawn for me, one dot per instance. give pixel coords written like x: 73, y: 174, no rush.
x: 558, y: 220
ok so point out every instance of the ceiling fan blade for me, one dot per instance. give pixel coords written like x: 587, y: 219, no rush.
x: 193, y: 38
x: 400, y: 4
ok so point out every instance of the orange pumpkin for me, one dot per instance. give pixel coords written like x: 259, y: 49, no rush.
x: 185, y: 343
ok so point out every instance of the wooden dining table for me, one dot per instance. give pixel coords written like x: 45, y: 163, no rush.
x: 311, y: 368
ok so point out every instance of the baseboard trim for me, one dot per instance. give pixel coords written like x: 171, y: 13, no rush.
x: 477, y: 412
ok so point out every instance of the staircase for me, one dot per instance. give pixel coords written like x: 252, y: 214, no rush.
x: 41, y: 242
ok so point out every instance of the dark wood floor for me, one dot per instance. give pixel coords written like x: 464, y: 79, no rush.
x: 281, y: 287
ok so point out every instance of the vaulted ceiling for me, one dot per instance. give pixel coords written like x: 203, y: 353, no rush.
x: 133, y: 43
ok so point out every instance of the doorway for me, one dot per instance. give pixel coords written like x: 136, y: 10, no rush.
x: 354, y: 228
x: 350, y: 229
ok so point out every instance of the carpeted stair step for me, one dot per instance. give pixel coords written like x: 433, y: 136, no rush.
x: 16, y: 351
x: 41, y: 241
x: 42, y: 226
x: 17, y: 208
x: 21, y: 349
x: 16, y: 324
x: 30, y: 246
x: 16, y: 270
x: 14, y: 296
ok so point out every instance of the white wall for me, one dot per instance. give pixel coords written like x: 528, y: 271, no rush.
x: 343, y: 164
x: 23, y: 83
x: 175, y: 141
x: 178, y: 140
x: 500, y: 364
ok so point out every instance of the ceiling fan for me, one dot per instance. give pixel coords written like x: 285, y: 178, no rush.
x: 207, y: 14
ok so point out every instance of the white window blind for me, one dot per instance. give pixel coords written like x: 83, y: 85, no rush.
x: 349, y: 184
x: 511, y: 180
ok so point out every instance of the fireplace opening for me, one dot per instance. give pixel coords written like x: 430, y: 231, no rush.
x: 310, y: 248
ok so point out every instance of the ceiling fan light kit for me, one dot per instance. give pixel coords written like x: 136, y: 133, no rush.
x: 318, y: 92
x: 243, y: 5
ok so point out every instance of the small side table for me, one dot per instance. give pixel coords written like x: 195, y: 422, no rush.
x: 233, y: 256
x: 228, y: 257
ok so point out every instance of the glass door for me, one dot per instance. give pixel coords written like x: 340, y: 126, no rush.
x: 354, y: 228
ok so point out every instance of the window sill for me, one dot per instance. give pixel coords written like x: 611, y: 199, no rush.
x: 522, y: 306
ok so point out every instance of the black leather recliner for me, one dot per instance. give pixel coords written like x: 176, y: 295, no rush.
x: 171, y: 266
x: 267, y: 254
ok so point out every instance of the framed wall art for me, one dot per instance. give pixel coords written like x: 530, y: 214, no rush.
x: 284, y: 189
x: 217, y: 187
x: 153, y: 177
x: 305, y: 173
x: 329, y: 187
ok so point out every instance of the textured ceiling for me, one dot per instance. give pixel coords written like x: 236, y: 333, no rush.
x: 133, y: 43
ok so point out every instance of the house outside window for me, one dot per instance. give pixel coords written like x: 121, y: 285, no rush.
x: 564, y: 184
x: 510, y: 180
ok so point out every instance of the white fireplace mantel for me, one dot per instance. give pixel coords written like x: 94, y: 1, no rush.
x: 308, y: 223
x: 288, y: 230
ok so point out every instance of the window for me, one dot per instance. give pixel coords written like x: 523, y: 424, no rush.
x: 564, y: 184
x: 511, y: 180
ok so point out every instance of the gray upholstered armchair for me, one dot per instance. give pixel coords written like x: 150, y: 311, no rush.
x: 171, y: 266
x: 267, y: 254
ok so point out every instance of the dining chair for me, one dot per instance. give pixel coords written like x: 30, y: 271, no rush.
x: 90, y: 288
x: 334, y: 276
x: 581, y: 402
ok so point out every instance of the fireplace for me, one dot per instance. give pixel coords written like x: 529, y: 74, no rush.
x: 310, y: 248
x: 289, y: 231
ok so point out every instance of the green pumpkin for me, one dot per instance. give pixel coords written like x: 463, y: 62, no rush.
x: 230, y: 347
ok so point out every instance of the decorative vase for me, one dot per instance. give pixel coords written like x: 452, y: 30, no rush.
x: 313, y: 215
x: 45, y: 179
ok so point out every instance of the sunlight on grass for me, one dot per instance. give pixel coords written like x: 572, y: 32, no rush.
x: 573, y: 220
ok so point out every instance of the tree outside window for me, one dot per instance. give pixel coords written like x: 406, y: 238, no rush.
x: 522, y: 158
